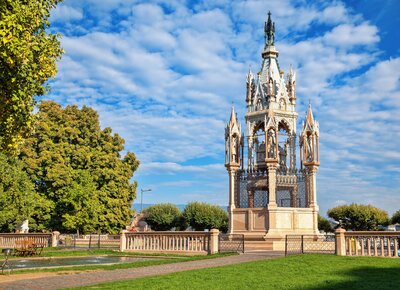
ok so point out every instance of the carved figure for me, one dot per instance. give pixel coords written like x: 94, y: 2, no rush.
x: 234, y: 149
x: 309, y: 149
x: 271, y: 144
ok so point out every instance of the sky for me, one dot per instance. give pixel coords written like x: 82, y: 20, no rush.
x: 164, y: 74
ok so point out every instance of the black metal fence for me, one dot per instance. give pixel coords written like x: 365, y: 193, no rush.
x: 231, y: 243
x: 306, y: 244
x: 93, y: 241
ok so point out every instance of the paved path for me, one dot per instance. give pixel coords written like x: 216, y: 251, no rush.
x: 91, y: 278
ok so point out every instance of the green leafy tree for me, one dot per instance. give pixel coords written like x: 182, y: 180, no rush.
x: 163, y: 217
x: 78, y: 167
x: 324, y: 225
x: 395, y: 218
x: 81, y: 203
x: 201, y: 216
x: 28, y: 56
x: 18, y: 198
x: 358, y: 217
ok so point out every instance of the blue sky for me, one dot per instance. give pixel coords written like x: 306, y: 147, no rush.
x: 163, y: 74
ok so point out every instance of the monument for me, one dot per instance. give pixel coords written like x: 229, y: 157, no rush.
x: 270, y: 196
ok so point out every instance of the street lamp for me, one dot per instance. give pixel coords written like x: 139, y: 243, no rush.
x: 141, y: 198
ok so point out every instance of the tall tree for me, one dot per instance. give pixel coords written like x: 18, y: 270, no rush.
x: 359, y: 217
x: 79, y: 168
x: 18, y: 199
x: 28, y: 56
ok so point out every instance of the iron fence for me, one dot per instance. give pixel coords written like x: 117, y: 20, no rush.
x: 93, y: 241
x: 306, y: 244
x: 231, y: 243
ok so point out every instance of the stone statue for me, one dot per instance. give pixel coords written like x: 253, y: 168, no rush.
x: 234, y: 149
x: 271, y: 144
x: 309, y: 149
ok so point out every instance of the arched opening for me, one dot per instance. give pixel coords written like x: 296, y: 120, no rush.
x: 284, y: 146
x: 259, y: 146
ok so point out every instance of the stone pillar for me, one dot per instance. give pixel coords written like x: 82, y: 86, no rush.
x: 340, y: 242
x: 272, y: 165
x: 55, y: 236
x: 292, y: 141
x: 251, y: 199
x: 213, y: 247
x: 312, y: 185
x: 232, y: 169
x: 293, y: 197
x: 122, y: 241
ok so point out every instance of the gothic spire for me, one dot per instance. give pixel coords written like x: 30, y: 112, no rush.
x: 269, y: 30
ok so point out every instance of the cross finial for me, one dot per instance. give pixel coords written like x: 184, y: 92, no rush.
x: 269, y: 30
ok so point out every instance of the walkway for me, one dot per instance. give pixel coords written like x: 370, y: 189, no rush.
x: 91, y: 278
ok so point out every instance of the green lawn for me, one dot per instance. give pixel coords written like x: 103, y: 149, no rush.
x: 294, y: 272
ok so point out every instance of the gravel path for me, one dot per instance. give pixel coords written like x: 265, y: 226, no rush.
x: 90, y: 278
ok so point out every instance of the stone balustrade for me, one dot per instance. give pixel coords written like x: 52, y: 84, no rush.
x: 372, y: 243
x: 8, y: 240
x: 170, y: 242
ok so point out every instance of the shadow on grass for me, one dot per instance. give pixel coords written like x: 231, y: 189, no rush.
x: 366, y: 277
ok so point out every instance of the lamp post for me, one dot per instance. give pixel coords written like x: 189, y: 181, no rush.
x: 141, y: 198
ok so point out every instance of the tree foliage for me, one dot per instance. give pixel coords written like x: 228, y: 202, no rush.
x: 78, y: 167
x: 324, y: 225
x: 395, y: 218
x: 201, y: 216
x: 28, y: 56
x: 18, y: 199
x: 358, y: 217
x: 163, y: 217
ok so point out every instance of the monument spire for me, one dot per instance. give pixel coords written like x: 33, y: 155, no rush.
x: 269, y: 31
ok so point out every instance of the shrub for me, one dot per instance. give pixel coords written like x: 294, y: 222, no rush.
x: 163, y: 216
x: 395, y: 218
x: 201, y: 216
x: 324, y: 225
x: 358, y: 217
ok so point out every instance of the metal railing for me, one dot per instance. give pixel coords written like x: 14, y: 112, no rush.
x: 306, y: 244
x: 231, y: 243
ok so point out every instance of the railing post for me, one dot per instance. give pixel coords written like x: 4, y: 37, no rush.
x: 286, y: 245
x: 213, y: 246
x: 54, y: 238
x: 302, y: 244
x: 122, y: 241
x: 340, y: 242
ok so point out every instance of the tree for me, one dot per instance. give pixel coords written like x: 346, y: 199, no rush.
x: 163, y: 216
x: 18, y: 199
x: 324, y: 225
x: 358, y: 217
x: 201, y: 216
x: 395, y: 218
x: 28, y: 56
x: 78, y: 167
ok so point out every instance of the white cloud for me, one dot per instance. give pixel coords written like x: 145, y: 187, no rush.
x: 163, y: 76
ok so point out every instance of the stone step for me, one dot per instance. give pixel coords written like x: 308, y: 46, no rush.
x: 257, y: 245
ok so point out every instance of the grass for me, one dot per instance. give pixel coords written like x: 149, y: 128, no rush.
x: 294, y: 272
x: 172, y: 258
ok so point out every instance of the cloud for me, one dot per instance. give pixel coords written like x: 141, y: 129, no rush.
x: 163, y: 75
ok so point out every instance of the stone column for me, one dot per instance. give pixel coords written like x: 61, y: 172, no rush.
x: 340, y: 242
x: 232, y: 169
x: 272, y: 165
x: 251, y: 199
x: 213, y: 247
x: 312, y: 185
x: 293, y: 197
